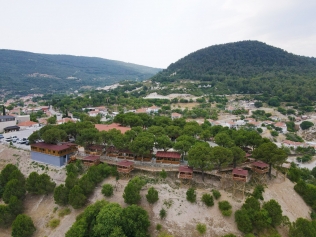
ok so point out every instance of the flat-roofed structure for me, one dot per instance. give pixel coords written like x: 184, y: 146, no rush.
x: 260, y: 167
x: 6, y: 121
x: 185, y: 172
x: 126, y: 154
x: 91, y: 160
x: 239, y: 177
x: 124, y: 167
x: 95, y: 149
x: 169, y: 157
x: 57, y: 155
x: 111, y: 151
x: 240, y: 174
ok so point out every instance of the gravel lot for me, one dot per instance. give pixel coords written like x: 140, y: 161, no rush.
x: 20, y: 134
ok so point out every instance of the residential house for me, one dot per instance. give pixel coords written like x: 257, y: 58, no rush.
x: 175, y: 116
x: 28, y: 125
x: 282, y: 126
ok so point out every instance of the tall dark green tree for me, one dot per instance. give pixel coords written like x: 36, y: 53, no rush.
x: 201, y: 157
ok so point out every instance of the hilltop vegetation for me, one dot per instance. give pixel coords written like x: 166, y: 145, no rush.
x: 247, y: 67
x: 23, y: 72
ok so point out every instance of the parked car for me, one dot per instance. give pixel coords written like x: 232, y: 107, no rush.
x: 8, y: 139
x: 27, y: 142
x: 21, y: 141
x: 14, y: 138
x: 1, y: 136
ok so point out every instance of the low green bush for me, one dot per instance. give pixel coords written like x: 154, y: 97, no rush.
x: 107, y: 190
x: 216, y: 194
x: 201, y: 228
x: 191, y: 195
x: 225, y: 208
x: 208, y: 200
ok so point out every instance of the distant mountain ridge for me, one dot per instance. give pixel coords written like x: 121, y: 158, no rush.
x: 42, y: 73
x: 247, y: 67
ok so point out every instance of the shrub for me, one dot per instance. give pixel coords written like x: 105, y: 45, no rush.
x: 305, y: 158
x: 64, y: 212
x: 201, y: 228
x: 158, y: 227
x: 225, y: 208
x: 131, y: 193
x: 162, y: 213
x: 208, y: 200
x: 152, y: 195
x: 274, y: 133
x: 229, y: 235
x: 243, y: 221
x: 306, y: 125
x: 54, y: 223
x: 216, y: 194
x: 191, y: 195
x: 107, y: 190
x: 257, y: 192
x: 163, y: 174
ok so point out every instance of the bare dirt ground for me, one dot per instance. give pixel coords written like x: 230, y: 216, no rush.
x: 181, y: 218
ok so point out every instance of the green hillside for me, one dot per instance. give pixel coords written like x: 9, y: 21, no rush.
x: 247, y: 67
x: 24, y: 72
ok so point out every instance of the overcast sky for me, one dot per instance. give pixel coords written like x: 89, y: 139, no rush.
x: 154, y: 33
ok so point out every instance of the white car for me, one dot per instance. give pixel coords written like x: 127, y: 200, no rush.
x: 14, y: 138
x: 21, y: 141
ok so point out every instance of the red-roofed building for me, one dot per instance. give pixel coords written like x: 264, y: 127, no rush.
x: 175, y: 116
x: 28, y: 124
x: 168, y: 157
x: 125, y: 166
x: 282, y: 126
x: 141, y: 111
x: 240, y: 174
x: 65, y: 120
x: 91, y: 160
x: 52, y: 154
x: 107, y: 127
x: 185, y: 172
x: 260, y: 167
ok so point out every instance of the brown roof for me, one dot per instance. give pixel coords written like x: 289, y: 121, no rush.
x: 239, y: 171
x: 107, y: 127
x: 176, y: 115
x: 168, y: 154
x: 260, y: 164
x: 52, y: 147
x: 125, y: 163
x: 142, y: 110
x: 27, y: 123
x: 186, y: 169
x: 91, y: 158
x: 111, y: 149
x: 96, y: 147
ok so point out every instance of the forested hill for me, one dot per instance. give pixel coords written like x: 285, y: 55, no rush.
x: 25, y: 71
x: 247, y: 67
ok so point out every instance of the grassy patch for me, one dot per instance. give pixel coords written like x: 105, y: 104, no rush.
x: 54, y: 223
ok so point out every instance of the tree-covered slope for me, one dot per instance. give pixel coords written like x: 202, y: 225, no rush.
x: 24, y: 71
x: 247, y: 67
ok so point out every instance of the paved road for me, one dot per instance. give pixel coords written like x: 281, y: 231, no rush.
x: 20, y: 134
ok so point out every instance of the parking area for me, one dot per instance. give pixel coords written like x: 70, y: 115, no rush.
x: 20, y: 134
